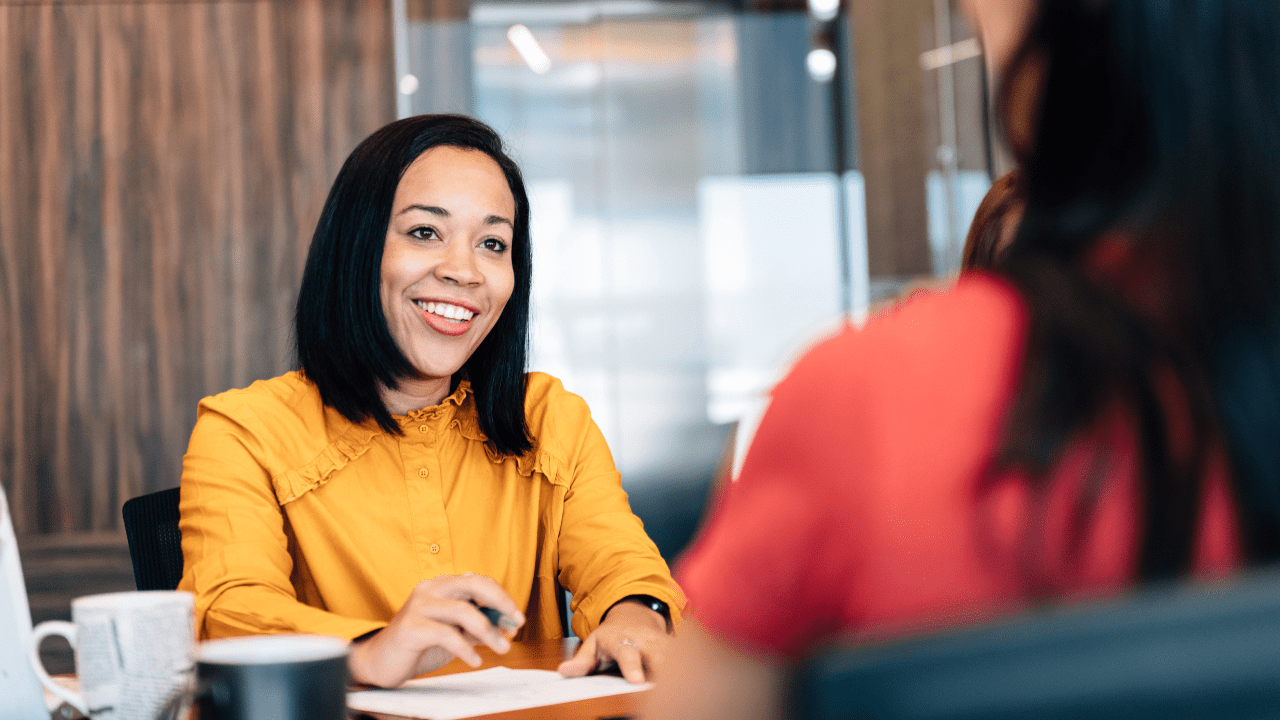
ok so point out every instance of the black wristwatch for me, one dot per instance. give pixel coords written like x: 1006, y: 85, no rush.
x: 650, y: 602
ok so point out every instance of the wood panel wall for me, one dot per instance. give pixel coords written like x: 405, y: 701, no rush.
x: 889, y: 36
x: 162, y: 165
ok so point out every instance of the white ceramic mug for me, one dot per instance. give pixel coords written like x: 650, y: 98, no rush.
x: 133, y: 652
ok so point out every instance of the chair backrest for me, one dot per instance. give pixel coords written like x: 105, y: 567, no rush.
x: 1202, y: 652
x: 155, y: 543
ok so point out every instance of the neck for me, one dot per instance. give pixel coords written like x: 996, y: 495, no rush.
x: 415, y: 395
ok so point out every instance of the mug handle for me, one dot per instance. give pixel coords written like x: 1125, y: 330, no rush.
x: 68, y: 631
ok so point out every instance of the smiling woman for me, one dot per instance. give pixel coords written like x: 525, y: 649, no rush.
x: 396, y: 190
x: 411, y: 469
x: 446, y: 267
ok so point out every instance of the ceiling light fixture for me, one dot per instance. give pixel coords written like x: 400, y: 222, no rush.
x: 822, y: 64
x: 824, y: 10
x: 527, y: 45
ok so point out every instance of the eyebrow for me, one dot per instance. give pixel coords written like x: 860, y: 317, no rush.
x: 441, y: 212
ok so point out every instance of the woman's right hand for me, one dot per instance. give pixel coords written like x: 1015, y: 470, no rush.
x: 436, y: 624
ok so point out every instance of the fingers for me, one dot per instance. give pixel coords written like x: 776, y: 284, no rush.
x: 450, y: 640
x: 630, y: 658
x: 437, y: 623
x: 467, y: 623
x: 632, y: 637
x: 630, y: 661
x: 480, y: 588
x: 453, y: 599
x: 583, y: 661
x: 405, y: 649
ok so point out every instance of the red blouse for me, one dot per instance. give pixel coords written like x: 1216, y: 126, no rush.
x: 860, y: 509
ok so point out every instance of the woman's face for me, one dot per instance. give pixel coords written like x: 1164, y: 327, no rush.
x: 446, y: 265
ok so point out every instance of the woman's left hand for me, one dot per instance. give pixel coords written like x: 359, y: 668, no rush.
x: 631, y: 636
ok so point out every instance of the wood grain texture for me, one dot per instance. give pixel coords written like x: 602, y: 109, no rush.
x: 162, y: 166
x: 889, y: 36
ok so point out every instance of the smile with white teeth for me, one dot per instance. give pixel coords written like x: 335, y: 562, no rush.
x: 452, y: 313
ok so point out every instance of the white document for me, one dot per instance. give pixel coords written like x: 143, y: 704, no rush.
x: 495, y: 690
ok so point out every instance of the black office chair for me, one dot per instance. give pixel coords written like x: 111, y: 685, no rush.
x: 1206, y: 652
x: 155, y: 543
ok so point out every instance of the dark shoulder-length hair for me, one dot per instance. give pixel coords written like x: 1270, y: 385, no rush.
x: 343, y: 343
x: 1157, y: 126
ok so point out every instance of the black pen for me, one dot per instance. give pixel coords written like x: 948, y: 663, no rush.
x: 496, y: 617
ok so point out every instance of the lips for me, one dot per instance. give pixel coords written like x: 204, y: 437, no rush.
x: 446, y: 318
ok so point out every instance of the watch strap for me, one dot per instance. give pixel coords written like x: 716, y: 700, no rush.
x: 652, y: 603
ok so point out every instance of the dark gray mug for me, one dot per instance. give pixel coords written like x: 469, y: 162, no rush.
x: 272, y: 677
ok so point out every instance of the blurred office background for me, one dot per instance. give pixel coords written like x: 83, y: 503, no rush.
x: 713, y: 184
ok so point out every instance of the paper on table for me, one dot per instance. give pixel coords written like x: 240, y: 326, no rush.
x: 497, y: 689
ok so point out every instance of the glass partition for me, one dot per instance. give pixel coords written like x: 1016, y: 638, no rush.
x: 687, y: 225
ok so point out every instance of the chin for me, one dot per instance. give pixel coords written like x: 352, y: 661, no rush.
x: 435, y: 370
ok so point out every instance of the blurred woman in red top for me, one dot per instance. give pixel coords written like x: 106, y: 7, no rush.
x: 1100, y: 409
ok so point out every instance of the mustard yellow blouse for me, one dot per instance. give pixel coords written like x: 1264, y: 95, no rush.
x: 294, y: 519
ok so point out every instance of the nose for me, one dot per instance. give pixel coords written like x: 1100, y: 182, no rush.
x: 458, y: 266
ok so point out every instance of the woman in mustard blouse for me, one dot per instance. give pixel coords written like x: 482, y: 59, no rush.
x: 412, y: 466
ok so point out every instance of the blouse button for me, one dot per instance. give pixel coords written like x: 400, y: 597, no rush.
x: 422, y: 428
x: 422, y: 472
x: 434, y: 548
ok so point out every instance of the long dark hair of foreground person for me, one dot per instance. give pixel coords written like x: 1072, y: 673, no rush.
x: 342, y: 340
x: 1158, y: 127
x: 1001, y: 206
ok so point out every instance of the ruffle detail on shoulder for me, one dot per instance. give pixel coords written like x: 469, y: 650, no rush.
x: 459, y: 396
x: 537, y: 460
x: 293, y: 484
x: 468, y: 426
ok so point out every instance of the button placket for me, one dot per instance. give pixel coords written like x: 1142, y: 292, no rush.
x: 430, y: 522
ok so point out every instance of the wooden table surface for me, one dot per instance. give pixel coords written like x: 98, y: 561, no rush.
x: 544, y: 655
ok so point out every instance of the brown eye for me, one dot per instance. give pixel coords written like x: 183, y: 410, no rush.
x: 494, y: 244
x: 424, y: 233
